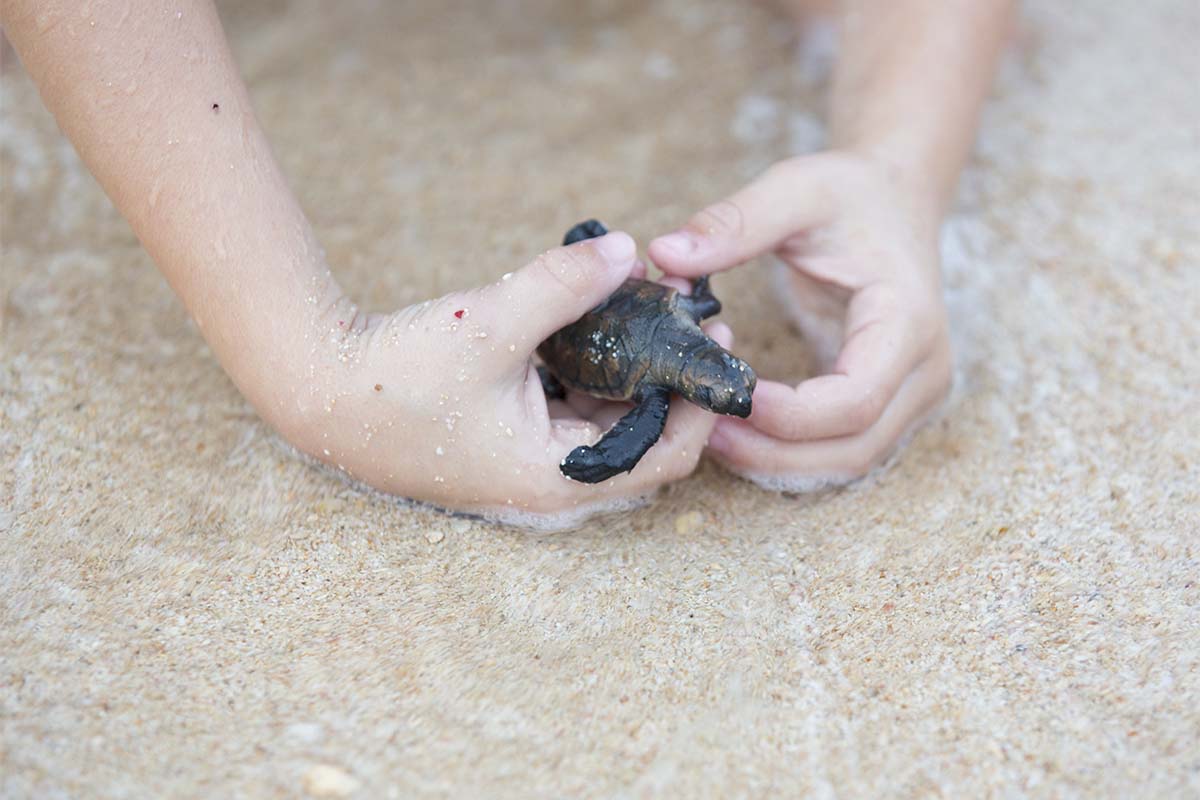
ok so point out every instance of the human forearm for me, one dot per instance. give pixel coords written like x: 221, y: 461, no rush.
x: 909, y: 83
x: 153, y: 102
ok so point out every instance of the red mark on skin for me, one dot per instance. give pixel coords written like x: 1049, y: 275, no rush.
x: 459, y: 314
x: 340, y: 323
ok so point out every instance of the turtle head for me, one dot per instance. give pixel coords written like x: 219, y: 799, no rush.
x: 719, y: 382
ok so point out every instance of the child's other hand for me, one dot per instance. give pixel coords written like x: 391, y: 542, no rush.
x: 858, y: 246
x: 440, y: 401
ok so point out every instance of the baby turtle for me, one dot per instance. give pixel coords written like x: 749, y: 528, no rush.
x: 641, y: 344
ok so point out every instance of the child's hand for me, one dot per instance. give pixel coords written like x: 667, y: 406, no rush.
x: 859, y: 245
x: 440, y: 401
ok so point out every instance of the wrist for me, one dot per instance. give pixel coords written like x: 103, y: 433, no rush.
x: 292, y: 360
x: 916, y: 189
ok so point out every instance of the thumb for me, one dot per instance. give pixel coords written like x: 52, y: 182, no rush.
x: 558, y: 287
x: 744, y: 225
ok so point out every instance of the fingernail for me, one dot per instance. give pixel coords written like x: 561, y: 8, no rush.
x: 680, y: 243
x: 616, y: 248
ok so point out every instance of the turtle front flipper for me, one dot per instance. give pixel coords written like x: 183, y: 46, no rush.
x: 589, y: 229
x: 701, y: 303
x: 623, y: 446
x: 551, y: 385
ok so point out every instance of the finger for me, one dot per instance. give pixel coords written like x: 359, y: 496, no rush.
x: 884, y: 344
x: 561, y: 410
x: 585, y: 405
x: 601, y: 414
x: 568, y: 432
x: 745, y: 449
x: 720, y: 333
x: 747, y: 224
x: 681, y: 285
x: 556, y: 289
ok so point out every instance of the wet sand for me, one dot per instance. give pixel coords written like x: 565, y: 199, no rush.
x: 186, y: 609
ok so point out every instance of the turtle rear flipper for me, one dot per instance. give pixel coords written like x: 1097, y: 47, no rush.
x: 701, y: 303
x: 623, y: 446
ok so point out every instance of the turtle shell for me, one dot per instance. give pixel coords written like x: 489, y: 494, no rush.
x: 607, y: 352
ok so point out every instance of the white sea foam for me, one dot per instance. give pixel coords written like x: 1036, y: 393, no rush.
x: 806, y: 133
x: 816, y: 51
x: 531, y: 521
x: 564, y: 520
x: 793, y: 484
x: 756, y: 119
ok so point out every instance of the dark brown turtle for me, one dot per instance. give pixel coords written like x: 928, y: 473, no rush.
x: 641, y: 344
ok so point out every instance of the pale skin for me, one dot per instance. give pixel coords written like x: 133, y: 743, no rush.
x: 445, y: 407
x: 856, y: 229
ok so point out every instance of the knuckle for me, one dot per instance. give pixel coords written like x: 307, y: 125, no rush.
x: 566, y: 271
x: 676, y: 462
x: 791, y: 425
x: 736, y: 454
x: 680, y: 468
x: 722, y: 219
x: 929, y: 320
x: 689, y: 459
x: 784, y: 170
x: 785, y: 426
x: 865, y: 411
x: 549, y: 271
x: 887, y: 299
